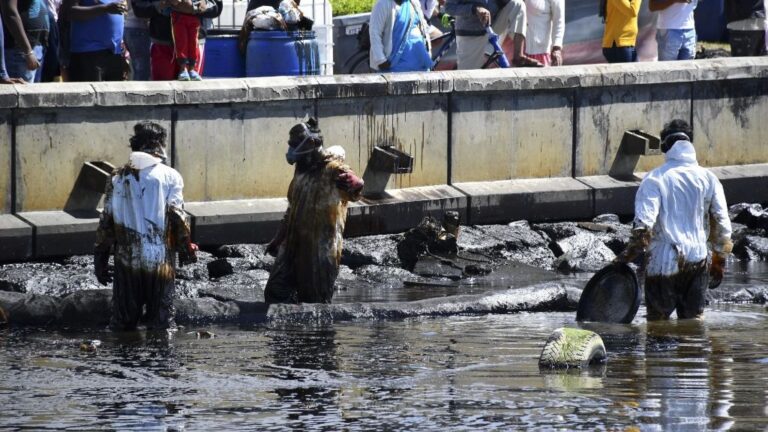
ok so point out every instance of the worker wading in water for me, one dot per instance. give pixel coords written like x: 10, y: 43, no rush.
x: 308, y: 245
x: 144, y: 221
x: 680, y: 210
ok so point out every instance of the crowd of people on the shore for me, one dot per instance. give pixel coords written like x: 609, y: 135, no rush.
x: 114, y: 40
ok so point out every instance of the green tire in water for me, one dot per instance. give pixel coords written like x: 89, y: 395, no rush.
x: 572, y: 348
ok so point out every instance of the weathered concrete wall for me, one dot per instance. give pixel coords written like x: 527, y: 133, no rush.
x: 730, y: 121
x: 5, y: 162
x: 51, y: 146
x: 462, y: 127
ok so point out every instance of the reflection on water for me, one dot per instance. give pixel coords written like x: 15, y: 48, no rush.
x: 461, y: 372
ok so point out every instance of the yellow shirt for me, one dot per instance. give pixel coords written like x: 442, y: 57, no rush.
x: 621, y: 23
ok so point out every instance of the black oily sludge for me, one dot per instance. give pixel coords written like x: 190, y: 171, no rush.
x: 549, y: 296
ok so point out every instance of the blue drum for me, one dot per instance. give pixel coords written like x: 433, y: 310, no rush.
x: 275, y: 53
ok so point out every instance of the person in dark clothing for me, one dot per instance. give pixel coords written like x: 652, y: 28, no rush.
x: 309, y: 243
x: 746, y: 27
x: 26, y: 34
x: 163, y: 67
x: 4, y: 78
x: 96, y: 39
x: 144, y: 221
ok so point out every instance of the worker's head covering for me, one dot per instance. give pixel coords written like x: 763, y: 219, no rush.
x: 336, y: 152
x: 149, y: 137
x: 303, y: 139
x: 676, y: 130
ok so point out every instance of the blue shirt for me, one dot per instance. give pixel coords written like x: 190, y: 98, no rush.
x: 104, y: 32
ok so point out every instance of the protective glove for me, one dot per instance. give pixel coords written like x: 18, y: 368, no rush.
x: 349, y: 182
x: 188, y: 254
x: 637, y: 245
x: 716, y: 270
x: 446, y: 20
x: 101, y: 268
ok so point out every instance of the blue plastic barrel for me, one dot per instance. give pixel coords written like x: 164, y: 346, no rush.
x: 274, y: 53
x: 222, y: 58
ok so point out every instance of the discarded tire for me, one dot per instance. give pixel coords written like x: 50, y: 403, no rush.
x: 572, y: 348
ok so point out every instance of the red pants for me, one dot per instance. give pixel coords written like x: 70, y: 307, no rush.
x: 185, y: 28
x: 162, y: 64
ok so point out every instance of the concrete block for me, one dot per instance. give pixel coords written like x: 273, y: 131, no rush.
x: 53, y: 95
x: 744, y: 183
x: 605, y: 113
x: 232, y: 222
x: 57, y: 233
x: 417, y: 125
x: 507, y: 135
x: 418, y: 83
x: 534, y: 200
x: 482, y: 80
x: 15, y: 239
x: 236, y: 152
x: 731, y: 68
x: 403, y: 209
x: 51, y: 147
x: 210, y: 91
x: 281, y: 88
x: 9, y: 96
x: 612, y: 196
x: 6, y: 161
x: 129, y: 93
x: 351, y: 86
x: 728, y: 121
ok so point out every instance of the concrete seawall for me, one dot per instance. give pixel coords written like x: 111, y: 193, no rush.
x: 496, y: 145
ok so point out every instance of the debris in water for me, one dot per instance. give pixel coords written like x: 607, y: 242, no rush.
x: 90, y: 345
x: 203, y: 334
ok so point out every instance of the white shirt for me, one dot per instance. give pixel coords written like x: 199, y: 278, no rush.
x: 678, y: 200
x: 546, y: 25
x: 139, y: 205
x: 678, y: 16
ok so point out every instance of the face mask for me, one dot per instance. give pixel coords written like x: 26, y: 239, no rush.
x: 294, y: 153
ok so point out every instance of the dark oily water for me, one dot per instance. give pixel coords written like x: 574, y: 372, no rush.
x: 457, y: 373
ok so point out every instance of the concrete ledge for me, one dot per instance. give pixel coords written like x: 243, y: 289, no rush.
x: 57, y: 233
x: 9, y: 96
x: 210, y: 91
x: 418, y: 83
x: 52, y: 95
x: 403, y: 209
x: 127, y: 93
x: 562, y: 198
x: 345, y: 86
x: 281, y: 88
x: 15, y: 239
x: 240, y: 221
x: 744, y: 183
x: 612, y: 196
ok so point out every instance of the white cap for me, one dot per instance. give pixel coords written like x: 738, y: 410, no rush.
x: 337, y: 152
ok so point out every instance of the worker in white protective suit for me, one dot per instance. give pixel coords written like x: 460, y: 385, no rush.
x: 144, y: 220
x: 680, y: 212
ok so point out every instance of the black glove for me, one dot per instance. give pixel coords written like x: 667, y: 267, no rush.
x: 101, y: 268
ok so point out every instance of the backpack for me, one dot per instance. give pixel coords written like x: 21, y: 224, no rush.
x: 364, y: 38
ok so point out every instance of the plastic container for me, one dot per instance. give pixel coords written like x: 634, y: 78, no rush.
x: 320, y: 11
x: 275, y: 53
x: 222, y: 58
x: 345, y: 30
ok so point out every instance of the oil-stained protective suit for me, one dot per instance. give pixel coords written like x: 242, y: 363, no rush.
x: 684, y: 206
x: 144, y: 220
x: 309, y: 254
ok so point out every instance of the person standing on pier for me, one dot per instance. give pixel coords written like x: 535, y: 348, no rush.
x: 680, y: 212
x: 308, y: 245
x: 145, y: 223
x: 620, y: 35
